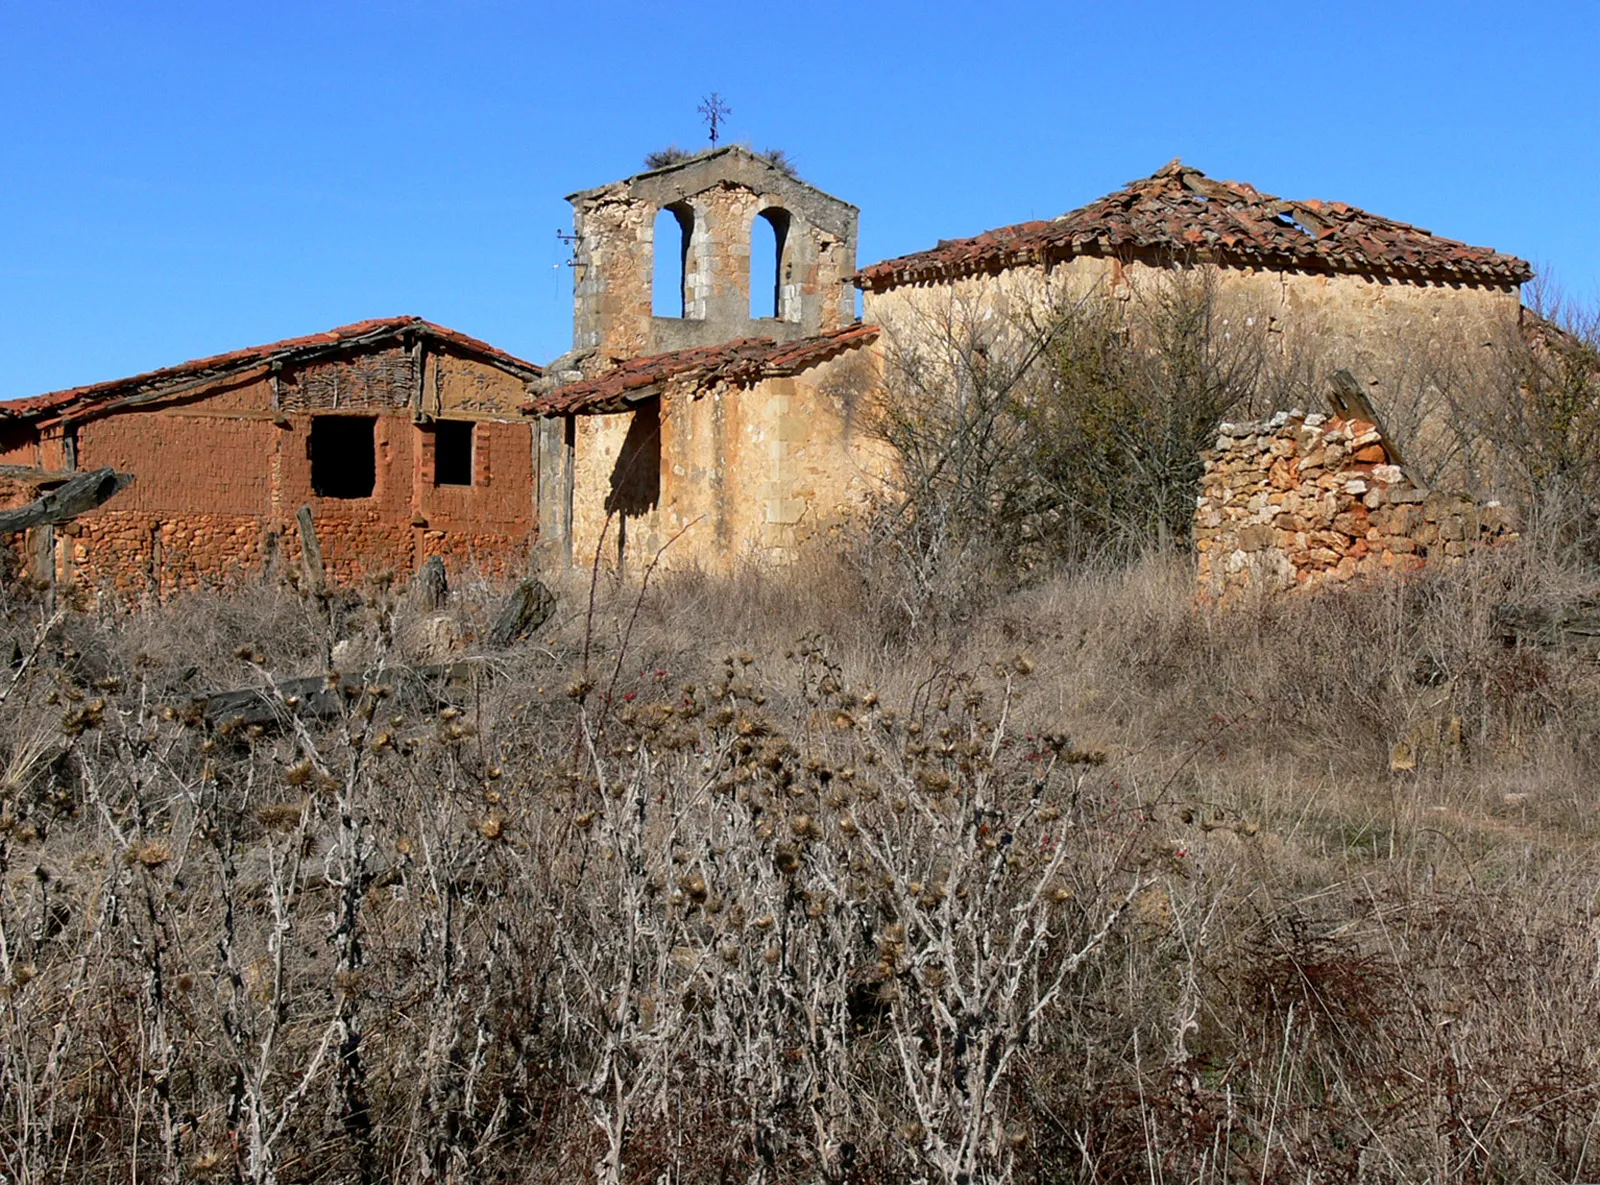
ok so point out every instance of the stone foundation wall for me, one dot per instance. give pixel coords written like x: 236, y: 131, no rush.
x: 1303, y: 500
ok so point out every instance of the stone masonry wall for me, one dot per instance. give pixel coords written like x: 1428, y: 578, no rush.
x: 754, y: 472
x: 722, y: 194
x: 1303, y: 500
x: 1389, y: 332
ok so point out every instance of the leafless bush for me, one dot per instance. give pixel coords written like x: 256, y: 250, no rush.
x: 1025, y: 437
x: 1536, y: 417
x: 1108, y: 889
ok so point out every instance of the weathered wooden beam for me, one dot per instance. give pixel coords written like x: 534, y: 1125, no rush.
x: 1349, y: 401
x: 323, y: 697
x: 311, y: 549
x: 67, y: 501
x: 1572, y: 625
x: 430, y: 587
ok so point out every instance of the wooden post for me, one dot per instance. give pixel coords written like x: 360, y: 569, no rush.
x: 311, y: 550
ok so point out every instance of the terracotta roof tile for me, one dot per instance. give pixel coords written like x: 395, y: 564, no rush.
x: 222, y: 366
x: 1181, y: 211
x: 741, y: 362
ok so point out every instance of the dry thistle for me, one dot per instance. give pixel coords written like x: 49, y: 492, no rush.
x: 281, y: 816
x: 152, y: 853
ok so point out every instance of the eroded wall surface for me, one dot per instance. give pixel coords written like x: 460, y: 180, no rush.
x: 219, y: 477
x: 1415, y: 346
x: 740, y: 473
x: 722, y: 197
x: 1299, y: 501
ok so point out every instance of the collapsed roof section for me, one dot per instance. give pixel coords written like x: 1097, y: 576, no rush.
x: 1181, y: 214
x: 740, y: 363
x: 237, y: 365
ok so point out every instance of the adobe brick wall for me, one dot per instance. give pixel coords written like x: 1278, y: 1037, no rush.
x: 1301, y: 500
x: 219, y: 477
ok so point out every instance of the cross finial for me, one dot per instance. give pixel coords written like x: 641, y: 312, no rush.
x: 715, y: 111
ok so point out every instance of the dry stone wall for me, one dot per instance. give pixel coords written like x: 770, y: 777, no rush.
x: 1304, y: 500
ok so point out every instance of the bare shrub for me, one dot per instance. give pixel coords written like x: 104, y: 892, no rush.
x: 1537, y: 418
x: 1026, y: 437
x: 1105, y: 888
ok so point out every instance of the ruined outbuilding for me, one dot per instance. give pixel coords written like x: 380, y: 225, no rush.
x: 405, y: 438
x: 1327, y: 284
x: 1300, y: 501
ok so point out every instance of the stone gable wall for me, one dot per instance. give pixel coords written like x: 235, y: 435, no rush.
x: 1302, y: 500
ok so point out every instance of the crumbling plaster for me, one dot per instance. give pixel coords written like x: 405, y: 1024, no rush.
x: 745, y: 473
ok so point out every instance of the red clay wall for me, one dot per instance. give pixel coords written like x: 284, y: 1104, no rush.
x: 219, y: 477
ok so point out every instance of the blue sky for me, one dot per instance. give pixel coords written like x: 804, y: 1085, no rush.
x: 182, y: 179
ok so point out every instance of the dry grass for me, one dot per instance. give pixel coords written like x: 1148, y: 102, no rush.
x: 1086, y: 883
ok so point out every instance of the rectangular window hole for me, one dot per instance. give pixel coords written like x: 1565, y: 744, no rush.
x: 452, y: 452
x: 344, y: 457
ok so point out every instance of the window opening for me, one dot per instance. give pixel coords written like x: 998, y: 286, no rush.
x: 344, y: 458
x: 769, y: 231
x: 669, y: 285
x: 452, y: 453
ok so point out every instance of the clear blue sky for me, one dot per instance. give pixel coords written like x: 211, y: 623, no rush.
x: 182, y: 179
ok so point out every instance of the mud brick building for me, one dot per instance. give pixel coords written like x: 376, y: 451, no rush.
x: 404, y: 437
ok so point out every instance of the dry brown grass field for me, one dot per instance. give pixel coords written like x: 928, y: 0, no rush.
x: 746, y: 880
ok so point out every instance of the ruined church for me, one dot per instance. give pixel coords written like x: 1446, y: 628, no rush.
x: 709, y: 422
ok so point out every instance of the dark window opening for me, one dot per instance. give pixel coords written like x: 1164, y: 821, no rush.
x: 769, y: 232
x: 344, y: 457
x: 452, y: 453
x: 669, y: 295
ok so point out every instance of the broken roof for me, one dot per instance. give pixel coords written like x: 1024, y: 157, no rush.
x: 1181, y: 212
x: 206, y: 372
x: 705, y: 169
x: 741, y: 363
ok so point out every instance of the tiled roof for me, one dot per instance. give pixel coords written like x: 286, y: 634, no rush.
x: 741, y: 362
x: 1181, y: 212
x: 204, y: 371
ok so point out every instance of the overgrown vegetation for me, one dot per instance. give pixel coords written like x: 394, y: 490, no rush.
x: 717, y: 885
x: 891, y: 867
x: 1033, y: 438
x: 671, y: 155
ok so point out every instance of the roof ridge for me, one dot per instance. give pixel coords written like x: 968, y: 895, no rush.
x: 1179, y: 210
x: 738, y: 360
x: 249, y: 357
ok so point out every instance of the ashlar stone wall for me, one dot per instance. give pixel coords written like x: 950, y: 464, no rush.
x: 1300, y: 500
